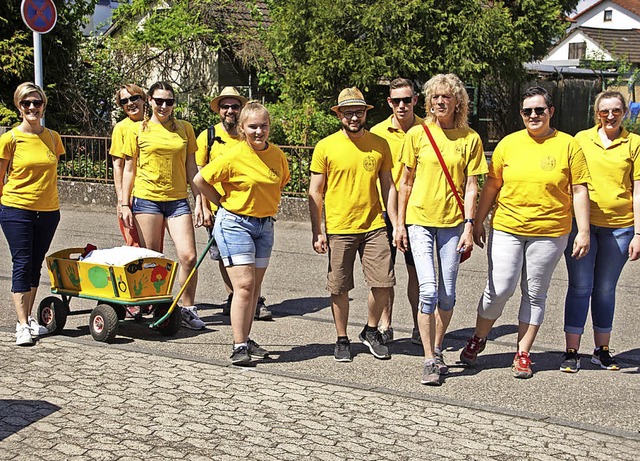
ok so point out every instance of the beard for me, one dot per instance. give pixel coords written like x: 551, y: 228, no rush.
x: 353, y: 129
x: 230, y: 123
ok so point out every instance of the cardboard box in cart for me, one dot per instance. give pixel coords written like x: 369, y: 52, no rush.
x: 145, y: 279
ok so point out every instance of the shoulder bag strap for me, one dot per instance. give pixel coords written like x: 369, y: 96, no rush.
x: 444, y: 168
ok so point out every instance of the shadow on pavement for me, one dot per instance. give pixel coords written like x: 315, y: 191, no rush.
x: 18, y: 414
x: 300, y: 306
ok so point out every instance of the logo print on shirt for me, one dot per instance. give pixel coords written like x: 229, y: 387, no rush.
x: 548, y: 163
x: 369, y: 163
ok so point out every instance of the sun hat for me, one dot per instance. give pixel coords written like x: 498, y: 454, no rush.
x: 350, y: 97
x: 227, y: 92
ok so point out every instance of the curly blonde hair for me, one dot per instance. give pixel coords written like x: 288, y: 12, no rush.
x: 452, y: 84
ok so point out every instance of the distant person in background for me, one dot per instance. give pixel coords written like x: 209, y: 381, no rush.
x: 536, y: 176
x: 247, y: 182
x: 30, y: 210
x: 613, y: 158
x: 160, y: 158
x: 402, y: 100
x: 132, y: 99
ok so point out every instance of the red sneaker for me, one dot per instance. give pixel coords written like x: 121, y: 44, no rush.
x: 474, y: 346
x: 522, y: 366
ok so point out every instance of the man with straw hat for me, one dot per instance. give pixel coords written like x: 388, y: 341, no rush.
x: 345, y: 169
x: 215, y: 141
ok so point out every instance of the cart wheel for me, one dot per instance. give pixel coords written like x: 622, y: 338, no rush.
x: 52, y: 314
x: 103, y: 323
x: 171, y: 326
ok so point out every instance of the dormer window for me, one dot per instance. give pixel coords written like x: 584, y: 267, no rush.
x: 608, y: 14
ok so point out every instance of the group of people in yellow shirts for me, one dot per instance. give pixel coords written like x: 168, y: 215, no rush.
x: 408, y: 184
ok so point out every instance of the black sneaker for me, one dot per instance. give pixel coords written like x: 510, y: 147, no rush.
x: 386, y: 335
x: 240, y: 356
x: 570, y: 361
x: 226, y: 309
x: 262, y: 313
x: 342, y: 351
x: 602, y: 356
x: 373, y: 340
x: 255, y: 351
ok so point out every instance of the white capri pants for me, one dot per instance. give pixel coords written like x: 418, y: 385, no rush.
x: 512, y: 256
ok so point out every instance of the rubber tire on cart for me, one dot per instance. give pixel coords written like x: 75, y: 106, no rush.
x: 52, y: 313
x: 103, y: 323
x: 171, y: 326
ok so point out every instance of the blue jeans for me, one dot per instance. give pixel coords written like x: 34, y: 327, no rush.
x: 243, y: 240
x: 594, y: 277
x: 445, y: 240
x: 29, y: 235
x: 170, y: 209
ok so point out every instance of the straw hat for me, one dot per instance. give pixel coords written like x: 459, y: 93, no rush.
x: 227, y: 92
x: 350, y: 97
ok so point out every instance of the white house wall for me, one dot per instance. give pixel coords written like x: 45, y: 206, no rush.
x: 559, y: 55
x: 620, y: 18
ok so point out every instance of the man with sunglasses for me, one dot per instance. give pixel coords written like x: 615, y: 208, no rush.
x: 212, y: 142
x: 402, y: 100
x: 345, y: 169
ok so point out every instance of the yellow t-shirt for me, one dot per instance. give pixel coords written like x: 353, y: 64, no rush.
x: 32, y: 182
x: 432, y: 202
x: 613, y: 170
x: 395, y: 138
x: 536, y: 196
x: 161, y: 154
x: 352, y: 169
x: 251, y: 181
x: 118, y: 136
x: 202, y: 156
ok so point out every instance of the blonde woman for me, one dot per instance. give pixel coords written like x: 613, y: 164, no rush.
x: 251, y: 175
x: 437, y: 228
x: 160, y: 155
x: 30, y: 210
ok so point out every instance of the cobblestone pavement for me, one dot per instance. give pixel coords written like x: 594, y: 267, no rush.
x: 71, y: 399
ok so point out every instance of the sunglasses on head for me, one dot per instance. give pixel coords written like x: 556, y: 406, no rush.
x: 26, y: 103
x: 132, y: 98
x: 407, y: 100
x: 529, y: 110
x: 230, y: 106
x: 161, y: 101
x: 604, y: 113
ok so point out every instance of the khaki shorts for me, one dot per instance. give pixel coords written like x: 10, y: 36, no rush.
x: 375, y: 256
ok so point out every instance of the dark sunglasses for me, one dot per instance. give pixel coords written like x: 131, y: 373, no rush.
x: 617, y: 112
x: 132, y: 98
x: 407, y: 100
x: 161, y: 101
x: 350, y: 113
x: 26, y: 103
x: 230, y: 106
x: 528, y: 111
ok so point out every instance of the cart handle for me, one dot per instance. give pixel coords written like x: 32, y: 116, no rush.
x: 184, y: 286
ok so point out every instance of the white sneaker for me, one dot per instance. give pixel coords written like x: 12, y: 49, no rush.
x: 36, y: 328
x: 190, y: 318
x: 23, y: 335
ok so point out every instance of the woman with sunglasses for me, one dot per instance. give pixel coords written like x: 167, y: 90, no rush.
x: 613, y: 157
x: 535, y: 177
x: 436, y: 226
x: 30, y: 209
x: 159, y: 163
x: 251, y: 176
x: 132, y: 100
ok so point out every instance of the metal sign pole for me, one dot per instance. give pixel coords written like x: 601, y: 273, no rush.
x: 37, y: 63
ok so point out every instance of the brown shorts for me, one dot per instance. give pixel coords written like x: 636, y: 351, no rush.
x: 375, y: 256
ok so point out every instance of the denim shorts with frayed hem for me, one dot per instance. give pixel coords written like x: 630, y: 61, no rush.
x: 243, y: 240
x: 170, y: 209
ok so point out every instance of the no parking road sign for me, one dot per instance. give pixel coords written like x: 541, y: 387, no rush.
x: 39, y: 15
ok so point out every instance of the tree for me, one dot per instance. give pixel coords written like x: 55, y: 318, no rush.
x: 321, y: 46
x: 59, y: 52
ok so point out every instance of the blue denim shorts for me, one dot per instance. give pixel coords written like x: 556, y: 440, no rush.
x: 243, y: 240
x: 170, y: 209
